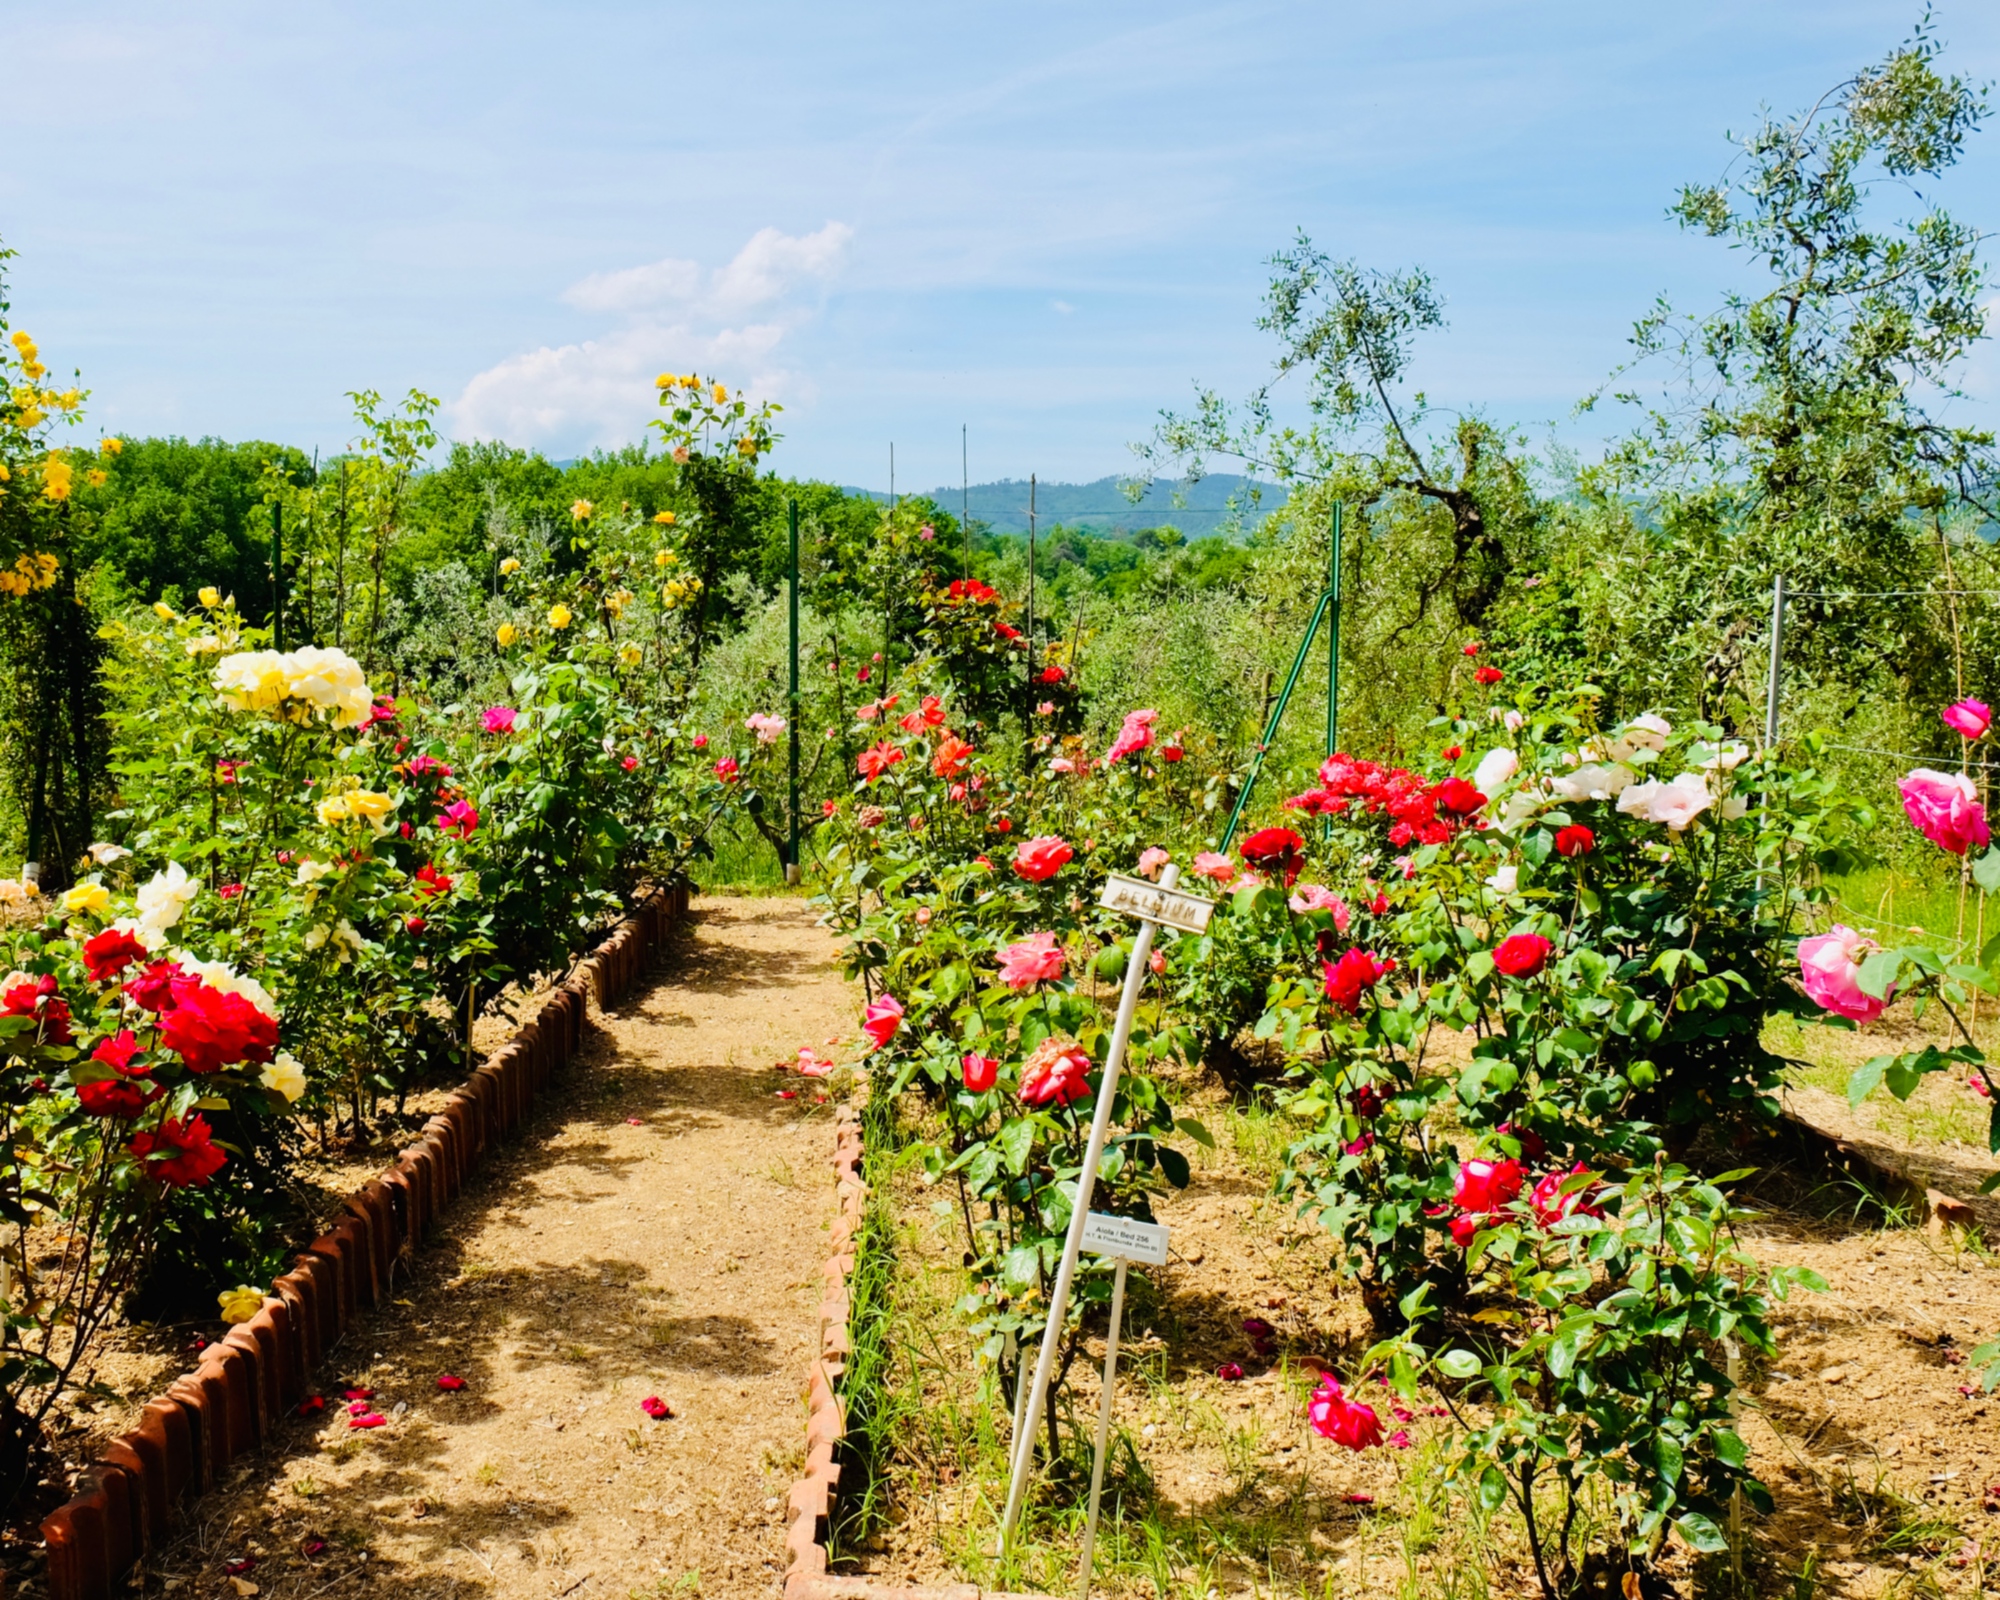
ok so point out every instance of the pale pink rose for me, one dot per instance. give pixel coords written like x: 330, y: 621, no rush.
x: 1151, y: 860
x: 1514, y: 722
x: 1210, y: 865
x: 867, y: 713
x: 1046, y: 709
x: 1830, y: 970
x: 767, y: 728
x: 1136, y: 734
x: 1968, y: 718
x: 1317, y: 897
x: 1062, y: 764
x: 1673, y: 804
x: 1944, y: 807
x: 1039, y: 958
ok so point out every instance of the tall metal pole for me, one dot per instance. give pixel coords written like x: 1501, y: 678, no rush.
x: 278, y: 574
x: 965, y: 498
x: 1777, y: 661
x: 1333, y: 638
x: 1031, y: 585
x: 792, y: 706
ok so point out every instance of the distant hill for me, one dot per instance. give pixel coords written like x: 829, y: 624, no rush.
x: 1003, y: 506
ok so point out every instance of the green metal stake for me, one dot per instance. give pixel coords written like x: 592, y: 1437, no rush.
x: 1332, y: 653
x: 278, y: 575
x: 1277, y: 715
x: 792, y: 852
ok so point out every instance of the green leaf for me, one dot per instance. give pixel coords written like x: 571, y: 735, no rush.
x: 1730, y: 1449
x: 1667, y: 1458
x: 1701, y: 1533
x: 1017, y: 1142
x: 1174, y: 1166
x: 1492, y: 1490
x: 1986, y: 870
x: 1879, y: 971
x: 1195, y: 1131
x: 1459, y: 1364
x: 1867, y: 1077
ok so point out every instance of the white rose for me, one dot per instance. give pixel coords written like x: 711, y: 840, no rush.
x: 1725, y: 757
x: 164, y: 896
x: 221, y: 976
x: 1494, y: 769
x: 1514, y: 721
x: 1598, y: 782
x: 1647, y: 732
x: 104, y: 854
x: 285, y: 1075
x: 1505, y: 881
x: 1734, y: 807
x: 1673, y: 804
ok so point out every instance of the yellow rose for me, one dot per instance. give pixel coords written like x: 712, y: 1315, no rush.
x: 210, y: 597
x: 663, y: 558
x: 91, y: 898
x: 664, y: 518
x: 5, y: 475
x: 630, y: 655
x: 165, y: 612
x: 664, y: 381
x: 746, y: 446
x: 241, y: 1303
x: 110, y: 447
x: 721, y: 395
x: 506, y: 634
x: 580, y: 510
x: 331, y: 810
x: 69, y: 400
x: 370, y: 803
x: 509, y: 567
x: 24, y: 344
x: 667, y: 600
x: 559, y: 615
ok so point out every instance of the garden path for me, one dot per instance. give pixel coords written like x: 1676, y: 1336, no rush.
x: 658, y: 1230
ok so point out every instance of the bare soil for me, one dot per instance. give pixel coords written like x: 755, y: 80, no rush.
x: 656, y: 1230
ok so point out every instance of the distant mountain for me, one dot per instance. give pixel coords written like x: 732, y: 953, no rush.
x: 1099, y: 505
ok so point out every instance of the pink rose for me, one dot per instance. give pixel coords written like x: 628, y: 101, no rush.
x: 1135, y: 735
x: 1968, y: 718
x: 1944, y: 807
x: 1830, y: 970
x: 1317, y: 897
x: 1151, y: 859
x: 1039, y: 958
x: 882, y: 1018
x: 498, y: 719
x: 1219, y: 867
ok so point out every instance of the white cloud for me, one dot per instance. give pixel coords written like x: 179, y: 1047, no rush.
x: 675, y: 316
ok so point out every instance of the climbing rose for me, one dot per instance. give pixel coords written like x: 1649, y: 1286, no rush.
x: 1481, y: 1185
x: 1521, y: 955
x: 1944, y: 807
x: 1830, y: 971
x: 877, y: 759
x: 1968, y: 718
x: 497, y: 719
x: 1135, y: 735
x: 1575, y: 840
x: 979, y: 1071
x: 1352, y: 976
x: 1039, y: 958
x: 109, y: 953
x: 1057, y: 1073
x: 1041, y: 858
x: 1210, y: 865
x: 1346, y: 1422
x: 882, y: 1018
x: 1274, y: 852
x: 179, y: 1153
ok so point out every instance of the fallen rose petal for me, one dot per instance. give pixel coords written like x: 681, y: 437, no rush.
x: 360, y: 1408
x: 1399, y: 1440
x: 1229, y: 1372
x: 312, y: 1547
x: 656, y: 1408
x: 635, y: 1122
x: 357, y: 1394
x: 788, y: 1094
x: 1403, y: 1415
x: 372, y: 1420
x: 311, y: 1404
x: 449, y: 1382
x: 1359, y: 1499
x: 1258, y: 1328
x: 240, y: 1565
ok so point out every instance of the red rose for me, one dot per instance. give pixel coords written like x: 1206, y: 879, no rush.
x: 952, y: 755
x: 154, y: 988
x: 210, y: 1030
x: 430, y: 881
x: 1274, y: 851
x: 1575, y: 840
x: 117, y: 1051
x: 1056, y: 1074
x: 1352, y: 976
x: 1050, y: 675
x: 1552, y: 1205
x: 933, y: 711
x: 110, y: 1098
x: 1042, y: 858
x: 1521, y: 955
x: 1171, y: 752
x: 1489, y: 675
x: 1456, y: 795
x: 109, y: 953
x: 179, y: 1153
x: 1481, y: 1185
x: 1346, y: 1422
x: 1470, y: 649
x: 1452, y: 752
x: 877, y: 759
x: 38, y: 998
x: 979, y: 1071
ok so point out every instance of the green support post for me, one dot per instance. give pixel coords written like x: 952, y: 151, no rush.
x: 792, y: 717
x: 277, y: 575
x: 1333, y: 652
x: 1277, y: 715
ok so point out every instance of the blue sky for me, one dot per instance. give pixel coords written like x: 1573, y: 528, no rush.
x: 1044, y: 221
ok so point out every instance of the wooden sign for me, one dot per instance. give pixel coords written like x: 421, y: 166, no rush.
x: 1171, y: 908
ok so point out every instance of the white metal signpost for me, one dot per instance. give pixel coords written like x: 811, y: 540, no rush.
x: 1155, y: 905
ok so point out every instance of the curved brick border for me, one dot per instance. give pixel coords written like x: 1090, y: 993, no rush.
x: 813, y: 1496
x: 226, y: 1408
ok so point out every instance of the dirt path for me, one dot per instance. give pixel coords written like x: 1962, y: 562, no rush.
x: 657, y: 1231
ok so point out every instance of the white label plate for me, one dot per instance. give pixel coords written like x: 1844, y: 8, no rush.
x: 1172, y: 908
x: 1123, y: 1236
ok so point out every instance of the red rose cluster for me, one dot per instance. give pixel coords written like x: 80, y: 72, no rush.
x: 1418, y: 812
x: 206, y: 1027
